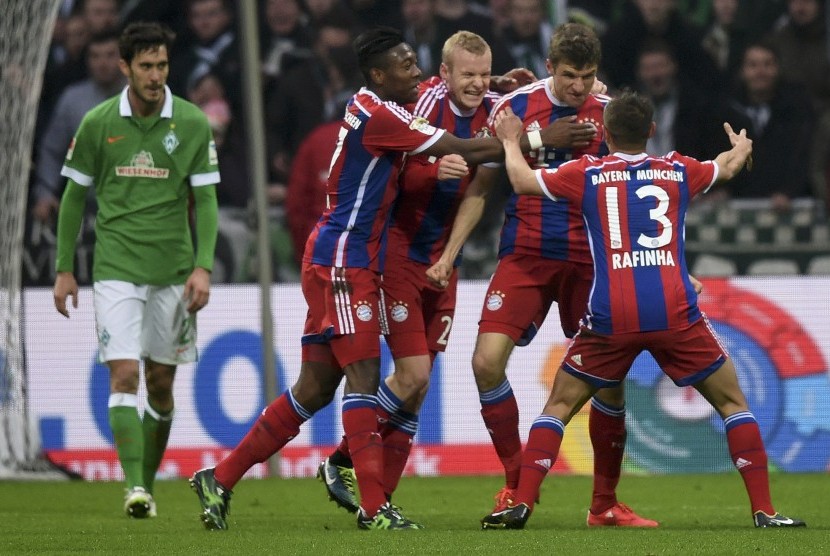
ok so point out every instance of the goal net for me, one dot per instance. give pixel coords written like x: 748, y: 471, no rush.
x: 25, y: 35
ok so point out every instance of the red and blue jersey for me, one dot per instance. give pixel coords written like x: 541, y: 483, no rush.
x: 363, y: 181
x: 536, y: 225
x: 634, y: 209
x: 426, y: 206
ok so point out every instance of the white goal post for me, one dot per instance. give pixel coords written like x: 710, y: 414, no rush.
x: 25, y: 37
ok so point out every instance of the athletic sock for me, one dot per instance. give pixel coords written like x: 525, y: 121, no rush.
x: 397, y: 437
x: 501, y: 417
x: 606, y: 426
x: 156, y: 427
x: 539, y: 456
x: 360, y: 423
x: 747, y: 451
x: 278, y: 424
x: 128, y: 436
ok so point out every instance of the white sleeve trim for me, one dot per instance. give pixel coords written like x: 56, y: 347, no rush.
x: 198, y: 180
x: 540, y: 180
x: 76, y: 176
x: 429, y: 142
x: 714, y: 176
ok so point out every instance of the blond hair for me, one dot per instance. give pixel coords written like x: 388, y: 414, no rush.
x: 464, y: 40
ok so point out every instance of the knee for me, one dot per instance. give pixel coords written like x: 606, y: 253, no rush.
x: 613, y: 397
x: 487, y: 372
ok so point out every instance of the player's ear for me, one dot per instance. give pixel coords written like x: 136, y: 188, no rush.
x: 124, y: 67
x: 444, y: 71
x: 378, y: 76
x: 652, y: 130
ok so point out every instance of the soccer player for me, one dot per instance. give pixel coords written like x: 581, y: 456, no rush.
x: 544, y: 257
x: 146, y: 153
x: 634, y: 207
x: 341, y: 280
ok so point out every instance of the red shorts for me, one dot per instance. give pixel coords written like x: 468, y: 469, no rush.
x: 342, y: 311
x: 686, y: 355
x: 521, y: 292
x: 418, y: 315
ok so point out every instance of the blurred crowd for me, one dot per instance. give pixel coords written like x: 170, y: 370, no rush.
x: 763, y: 65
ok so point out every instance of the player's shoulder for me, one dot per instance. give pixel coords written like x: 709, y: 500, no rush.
x: 106, y: 109
x: 600, y: 99
x: 184, y: 110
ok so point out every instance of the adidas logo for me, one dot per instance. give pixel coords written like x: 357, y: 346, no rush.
x: 534, y: 126
x: 546, y: 463
x: 577, y: 359
x: 740, y: 463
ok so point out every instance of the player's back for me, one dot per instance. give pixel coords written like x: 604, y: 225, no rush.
x: 635, y: 207
x: 426, y: 206
x: 536, y: 225
x: 362, y: 182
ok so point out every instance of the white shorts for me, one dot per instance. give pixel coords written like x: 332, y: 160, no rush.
x: 138, y: 322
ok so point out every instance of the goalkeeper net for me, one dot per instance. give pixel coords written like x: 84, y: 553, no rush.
x: 25, y: 35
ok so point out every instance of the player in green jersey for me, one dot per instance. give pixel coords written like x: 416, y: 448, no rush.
x: 146, y: 153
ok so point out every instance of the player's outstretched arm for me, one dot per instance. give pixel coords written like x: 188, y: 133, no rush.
x: 730, y: 162
x: 509, y: 129
x: 469, y: 214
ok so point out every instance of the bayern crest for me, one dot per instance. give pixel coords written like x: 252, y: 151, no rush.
x: 399, y: 312
x: 495, y: 300
x: 363, y: 311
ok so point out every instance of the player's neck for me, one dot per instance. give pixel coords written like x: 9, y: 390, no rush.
x: 141, y: 107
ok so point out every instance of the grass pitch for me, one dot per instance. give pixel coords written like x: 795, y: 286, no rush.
x: 699, y: 514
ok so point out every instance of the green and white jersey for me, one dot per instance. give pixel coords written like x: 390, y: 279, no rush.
x: 142, y: 170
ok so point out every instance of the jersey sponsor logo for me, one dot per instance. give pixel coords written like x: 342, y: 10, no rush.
x: 170, y: 142
x: 363, y: 310
x: 652, y: 257
x: 399, y: 312
x: 213, y: 157
x: 71, y: 150
x: 495, y: 300
x: 422, y: 125
x: 115, y: 139
x: 142, y: 166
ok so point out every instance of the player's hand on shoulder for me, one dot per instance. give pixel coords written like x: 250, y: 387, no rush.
x: 197, y: 289
x: 439, y: 274
x: 512, y: 80
x: 566, y: 133
x: 452, y: 166
x: 65, y: 286
x: 599, y: 88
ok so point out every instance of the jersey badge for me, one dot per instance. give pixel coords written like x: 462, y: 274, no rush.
x: 213, y: 157
x: 399, y: 311
x: 495, y: 300
x: 170, y: 142
x: 71, y: 150
x: 422, y: 125
x: 363, y: 310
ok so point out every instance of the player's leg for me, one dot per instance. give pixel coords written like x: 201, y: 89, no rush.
x: 119, y: 308
x: 157, y: 419
x: 567, y: 396
x: 697, y: 357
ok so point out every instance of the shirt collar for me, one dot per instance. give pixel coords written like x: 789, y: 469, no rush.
x: 126, y: 110
x: 631, y: 157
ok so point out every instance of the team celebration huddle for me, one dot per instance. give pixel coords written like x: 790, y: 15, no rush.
x: 593, y: 225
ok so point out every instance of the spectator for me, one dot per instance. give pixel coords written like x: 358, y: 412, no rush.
x: 213, y: 49
x: 313, y: 90
x: 306, y: 195
x: 100, y: 15
x: 424, y: 32
x: 462, y: 14
x: 527, y: 36
x: 643, y: 20
x: 778, y: 119
x: 377, y: 12
x: 105, y: 80
x: 286, y: 33
x: 725, y: 40
x: 681, y: 110
x: 803, y: 49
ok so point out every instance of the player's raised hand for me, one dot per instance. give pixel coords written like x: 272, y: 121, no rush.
x: 512, y: 80
x: 439, y: 274
x: 741, y: 142
x: 65, y: 285
x: 452, y: 166
x: 508, y: 125
x: 197, y: 289
x: 567, y: 133
x: 599, y: 88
